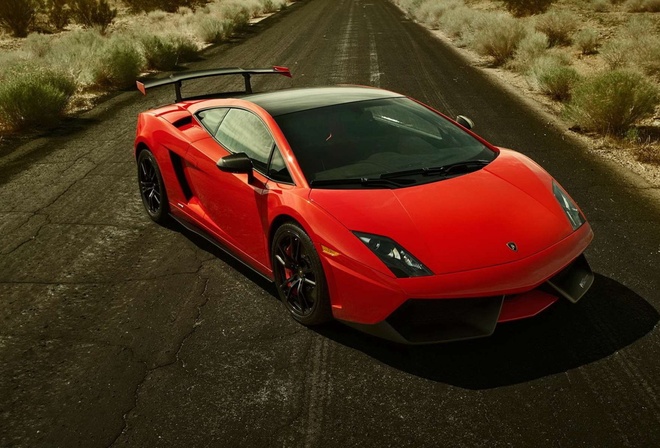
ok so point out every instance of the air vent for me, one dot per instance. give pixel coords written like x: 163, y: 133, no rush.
x: 181, y: 122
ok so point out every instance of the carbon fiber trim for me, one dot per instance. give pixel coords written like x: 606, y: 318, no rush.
x: 427, y: 321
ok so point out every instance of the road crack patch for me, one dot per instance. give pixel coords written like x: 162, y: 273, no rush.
x: 176, y: 359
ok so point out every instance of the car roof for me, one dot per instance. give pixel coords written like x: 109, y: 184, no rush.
x: 287, y: 101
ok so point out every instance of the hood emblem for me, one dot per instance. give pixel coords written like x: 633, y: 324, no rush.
x: 511, y: 245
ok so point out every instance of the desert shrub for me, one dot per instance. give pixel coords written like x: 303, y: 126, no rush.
x: 649, y: 57
x: 410, y: 6
x: 642, y: 45
x: 167, y: 51
x: 616, y: 53
x: 75, y: 53
x: 612, y: 102
x: 527, y: 7
x: 157, y: 16
x: 212, y: 30
x: 216, y: 23
x: 638, y: 27
x: 163, y: 5
x: 159, y: 52
x: 18, y: 15
x: 237, y: 13
x: 531, y: 47
x: 460, y: 23
x: 499, y: 37
x: 554, y: 78
x: 272, y: 5
x: 642, y: 5
x: 9, y: 59
x: 636, y: 46
x: 558, y: 26
x: 586, y: 40
x: 186, y: 48
x: 431, y: 12
x: 93, y: 13
x: 252, y: 7
x: 37, y: 45
x: 36, y: 101
x: 58, y: 12
x: 600, y: 5
x: 119, y: 64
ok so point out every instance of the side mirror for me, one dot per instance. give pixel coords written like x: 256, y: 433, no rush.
x: 236, y: 163
x: 465, y: 121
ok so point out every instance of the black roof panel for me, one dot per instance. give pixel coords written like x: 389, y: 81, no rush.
x: 287, y: 101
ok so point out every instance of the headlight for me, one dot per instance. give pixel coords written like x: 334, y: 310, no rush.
x: 572, y: 213
x: 400, y: 261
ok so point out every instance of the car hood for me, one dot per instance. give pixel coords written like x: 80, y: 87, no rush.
x: 461, y: 223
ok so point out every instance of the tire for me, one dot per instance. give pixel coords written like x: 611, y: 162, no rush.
x: 299, y: 277
x: 152, y: 187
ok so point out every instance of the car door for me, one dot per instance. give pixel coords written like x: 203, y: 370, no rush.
x: 235, y: 206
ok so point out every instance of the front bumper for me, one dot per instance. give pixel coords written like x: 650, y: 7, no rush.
x: 461, y: 305
x: 424, y: 321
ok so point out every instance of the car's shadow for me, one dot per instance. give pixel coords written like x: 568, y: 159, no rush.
x: 564, y: 337
x: 608, y: 318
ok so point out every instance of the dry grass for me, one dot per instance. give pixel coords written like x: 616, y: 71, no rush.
x: 600, y: 5
x: 612, y: 102
x: 605, y: 34
x: 642, y: 5
x: 431, y: 12
x: 531, y: 47
x: 119, y: 64
x: 132, y: 45
x: 636, y: 45
x: 554, y: 77
x: 521, y: 8
x: 37, y: 101
x: 452, y: 16
x: 498, y: 37
x: 460, y: 23
x: 587, y: 41
x: 558, y: 25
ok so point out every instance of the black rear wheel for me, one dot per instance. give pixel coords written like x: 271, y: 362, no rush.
x: 299, y: 276
x: 152, y: 188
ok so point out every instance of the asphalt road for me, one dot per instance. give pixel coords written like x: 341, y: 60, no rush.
x: 117, y: 332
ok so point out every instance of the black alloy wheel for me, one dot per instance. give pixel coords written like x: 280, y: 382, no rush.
x: 152, y: 188
x: 299, y: 276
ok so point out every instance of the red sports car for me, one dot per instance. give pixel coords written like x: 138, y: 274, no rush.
x: 365, y: 206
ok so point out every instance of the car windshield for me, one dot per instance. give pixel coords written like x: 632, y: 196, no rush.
x: 383, y: 143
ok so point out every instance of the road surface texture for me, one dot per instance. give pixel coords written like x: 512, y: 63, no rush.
x: 117, y: 332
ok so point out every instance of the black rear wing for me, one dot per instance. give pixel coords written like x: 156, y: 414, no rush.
x: 178, y: 78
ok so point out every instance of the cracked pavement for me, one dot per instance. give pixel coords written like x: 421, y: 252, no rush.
x: 117, y: 332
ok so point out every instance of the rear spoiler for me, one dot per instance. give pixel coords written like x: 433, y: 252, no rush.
x: 177, y: 79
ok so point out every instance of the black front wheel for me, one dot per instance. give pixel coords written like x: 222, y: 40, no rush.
x: 152, y: 188
x: 299, y: 276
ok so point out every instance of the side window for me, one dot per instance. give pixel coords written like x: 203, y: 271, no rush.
x: 211, y: 119
x: 277, y: 169
x: 242, y: 131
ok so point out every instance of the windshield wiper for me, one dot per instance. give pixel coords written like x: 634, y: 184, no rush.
x: 369, y: 182
x: 463, y: 167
